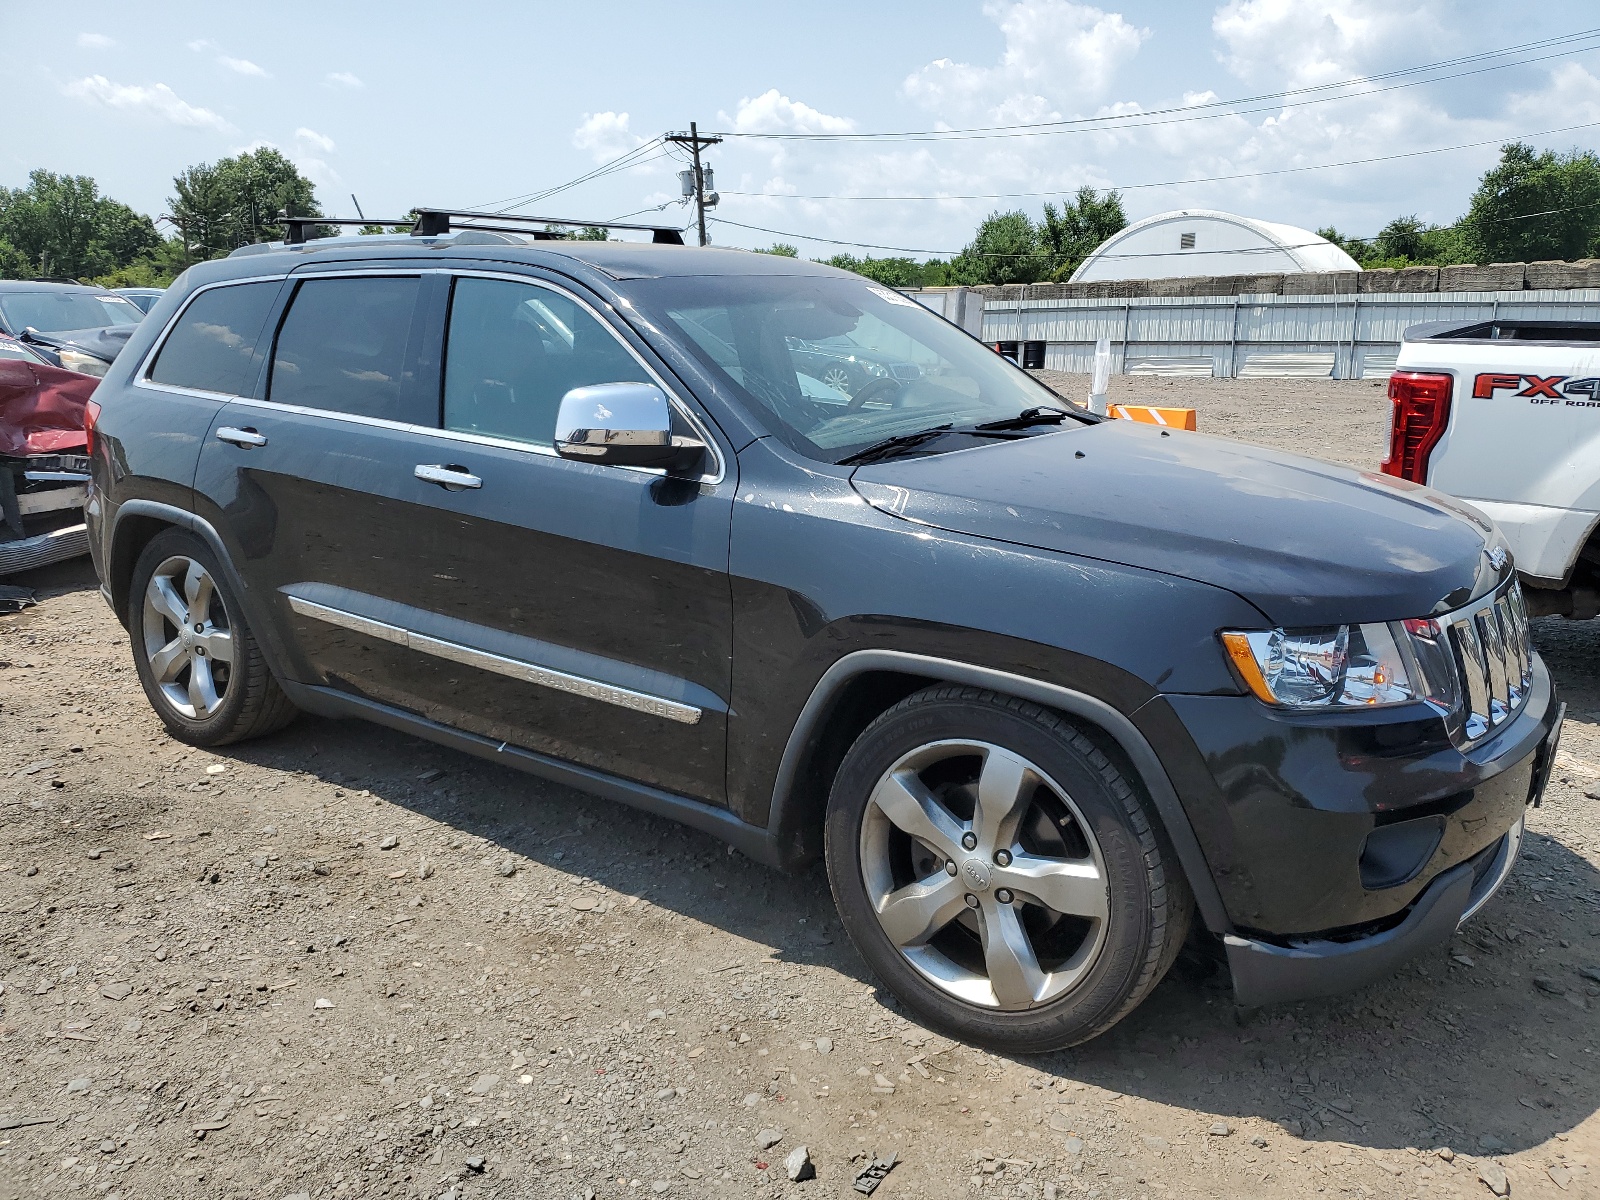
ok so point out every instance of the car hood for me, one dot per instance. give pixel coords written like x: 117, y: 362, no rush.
x: 104, y: 343
x: 1305, y: 541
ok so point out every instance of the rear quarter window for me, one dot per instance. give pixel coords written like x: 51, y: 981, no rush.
x: 214, y: 344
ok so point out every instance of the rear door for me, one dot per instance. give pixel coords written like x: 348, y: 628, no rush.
x: 429, y: 550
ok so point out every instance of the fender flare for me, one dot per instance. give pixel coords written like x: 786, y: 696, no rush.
x: 1169, y: 809
x: 266, y: 634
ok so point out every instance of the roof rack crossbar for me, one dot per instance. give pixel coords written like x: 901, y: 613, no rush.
x: 435, y: 222
x: 295, y: 229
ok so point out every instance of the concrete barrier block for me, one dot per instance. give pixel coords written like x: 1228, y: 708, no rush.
x: 1417, y: 279
x: 1585, y: 273
x: 1379, y: 279
x: 1252, y: 285
x: 1319, y: 283
x: 1493, y: 277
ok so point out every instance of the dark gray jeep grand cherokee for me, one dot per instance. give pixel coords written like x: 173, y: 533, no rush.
x: 1049, y: 693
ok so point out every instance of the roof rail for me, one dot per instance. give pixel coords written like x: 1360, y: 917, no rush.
x: 436, y: 222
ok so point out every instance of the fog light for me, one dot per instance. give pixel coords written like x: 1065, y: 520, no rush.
x: 1395, y: 854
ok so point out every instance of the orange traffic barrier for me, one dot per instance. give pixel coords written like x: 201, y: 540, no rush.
x: 1175, y: 418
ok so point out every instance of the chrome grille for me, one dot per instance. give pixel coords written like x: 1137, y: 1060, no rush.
x: 1494, y: 659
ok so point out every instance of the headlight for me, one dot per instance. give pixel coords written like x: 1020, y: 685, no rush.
x: 87, y: 364
x: 1347, y: 666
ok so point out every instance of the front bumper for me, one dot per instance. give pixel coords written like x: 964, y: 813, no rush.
x: 1264, y: 973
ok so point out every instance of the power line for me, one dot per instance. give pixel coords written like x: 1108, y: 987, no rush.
x: 1548, y: 212
x: 622, y: 162
x: 1128, y: 187
x: 1210, y: 110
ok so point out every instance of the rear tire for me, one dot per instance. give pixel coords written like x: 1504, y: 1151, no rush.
x: 201, y: 667
x: 999, y: 873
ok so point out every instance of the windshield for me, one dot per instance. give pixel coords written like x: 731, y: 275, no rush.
x: 10, y: 349
x: 56, y: 312
x: 839, y: 364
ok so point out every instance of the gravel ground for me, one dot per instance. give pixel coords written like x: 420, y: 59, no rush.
x: 342, y: 962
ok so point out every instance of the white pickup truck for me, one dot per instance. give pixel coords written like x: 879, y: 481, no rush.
x: 1506, y: 415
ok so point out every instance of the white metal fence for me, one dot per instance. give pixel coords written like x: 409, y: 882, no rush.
x: 1346, y: 336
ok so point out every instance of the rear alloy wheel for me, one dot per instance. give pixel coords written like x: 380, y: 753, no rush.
x: 201, y: 668
x: 999, y: 873
x: 187, y: 639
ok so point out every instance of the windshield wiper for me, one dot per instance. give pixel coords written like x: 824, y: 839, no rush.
x: 890, y: 446
x: 1026, y: 418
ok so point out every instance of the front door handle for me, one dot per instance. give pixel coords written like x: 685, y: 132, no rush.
x: 240, y: 437
x: 452, y: 477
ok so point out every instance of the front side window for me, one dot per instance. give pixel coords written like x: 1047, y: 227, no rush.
x: 60, y: 312
x: 839, y: 364
x: 213, y: 345
x: 514, y: 349
x: 342, y: 348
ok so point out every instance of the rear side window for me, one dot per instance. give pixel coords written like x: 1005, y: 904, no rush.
x: 342, y: 348
x: 213, y: 345
x: 514, y: 350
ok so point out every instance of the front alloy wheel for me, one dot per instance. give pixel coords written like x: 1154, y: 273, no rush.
x: 187, y: 639
x: 983, y: 872
x: 999, y: 872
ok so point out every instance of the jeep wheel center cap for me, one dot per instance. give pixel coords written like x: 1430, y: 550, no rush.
x: 976, y: 872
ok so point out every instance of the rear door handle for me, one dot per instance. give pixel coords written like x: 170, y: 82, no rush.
x: 240, y: 437
x: 452, y: 477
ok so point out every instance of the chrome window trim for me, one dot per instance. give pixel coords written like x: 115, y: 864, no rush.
x: 712, y: 477
x: 513, y: 668
x: 141, y: 376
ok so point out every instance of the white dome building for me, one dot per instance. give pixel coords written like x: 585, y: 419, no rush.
x: 1202, y: 242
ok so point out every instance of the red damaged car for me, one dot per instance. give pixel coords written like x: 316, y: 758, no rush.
x: 43, y: 463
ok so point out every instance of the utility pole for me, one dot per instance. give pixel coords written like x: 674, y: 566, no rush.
x: 694, y: 141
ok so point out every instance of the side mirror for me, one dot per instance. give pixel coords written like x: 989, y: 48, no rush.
x: 623, y: 424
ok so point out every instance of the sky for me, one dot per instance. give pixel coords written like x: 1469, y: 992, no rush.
x: 479, y: 105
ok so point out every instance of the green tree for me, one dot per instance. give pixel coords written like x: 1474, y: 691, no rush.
x: 62, y: 225
x: 1534, y: 206
x: 781, y: 249
x: 1082, y: 224
x: 235, y: 201
x: 1006, y: 249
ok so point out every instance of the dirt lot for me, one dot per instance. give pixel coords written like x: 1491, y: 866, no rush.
x: 341, y: 962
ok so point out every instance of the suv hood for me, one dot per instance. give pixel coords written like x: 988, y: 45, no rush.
x: 104, y: 344
x: 1305, y: 541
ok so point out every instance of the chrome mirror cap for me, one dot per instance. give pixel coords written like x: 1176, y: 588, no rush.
x: 623, y: 424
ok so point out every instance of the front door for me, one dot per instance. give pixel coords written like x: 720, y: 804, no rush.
x: 438, y: 557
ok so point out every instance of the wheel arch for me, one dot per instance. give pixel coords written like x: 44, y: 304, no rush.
x: 862, y: 684
x: 137, y: 524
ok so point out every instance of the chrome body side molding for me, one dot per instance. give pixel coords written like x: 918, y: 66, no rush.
x: 513, y: 668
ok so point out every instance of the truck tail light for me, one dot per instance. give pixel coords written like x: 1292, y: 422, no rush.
x: 1421, y: 412
x: 91, y: 417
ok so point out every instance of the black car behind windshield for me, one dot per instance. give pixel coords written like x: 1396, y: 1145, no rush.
x: 60, y: 311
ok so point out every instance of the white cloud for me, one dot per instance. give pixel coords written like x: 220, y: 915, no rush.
x: 772, y: 112
x: 157, y: 100
x: 342, y: 79
x: 1306, y: 42
x: 312, y: 138
x: 243, y: 66
x: 95, y: 41
x: 1056, y: 54
x: 605, y: 135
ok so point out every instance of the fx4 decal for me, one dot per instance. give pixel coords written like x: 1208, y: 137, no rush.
x: 1541, y: 389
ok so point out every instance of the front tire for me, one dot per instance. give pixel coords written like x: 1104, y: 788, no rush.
x: 999, y: 873
x: 201, y: 668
